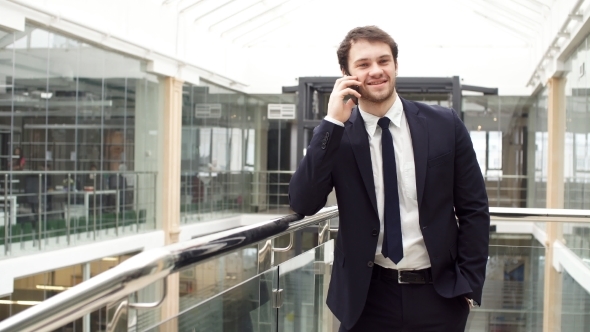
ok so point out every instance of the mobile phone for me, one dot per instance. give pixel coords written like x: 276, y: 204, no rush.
x: 353, y: 97
x: 355, y: 88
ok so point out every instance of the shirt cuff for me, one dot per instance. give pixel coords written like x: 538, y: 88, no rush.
x: 334, y: 121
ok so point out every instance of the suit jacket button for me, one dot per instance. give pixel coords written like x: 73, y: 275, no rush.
x: 370, y: 264
x: 375, y: 232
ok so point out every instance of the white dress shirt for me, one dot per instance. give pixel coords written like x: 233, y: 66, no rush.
x: 415, y: 253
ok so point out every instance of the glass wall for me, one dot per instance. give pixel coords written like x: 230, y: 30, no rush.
x: 499, y: 127
x: 577, y: 139
x: 74, y: 158
x: 231, y: 153
x: 577, y: 148
x: 538, y: 149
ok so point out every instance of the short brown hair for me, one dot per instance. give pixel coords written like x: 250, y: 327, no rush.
x: 370, y: 33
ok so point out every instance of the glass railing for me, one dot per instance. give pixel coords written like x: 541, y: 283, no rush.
x: 286, y: 297
x: 211, y: 195
x: 512, y: 298
x: 576, y: 237
x: 274, y: 276
x: 53, y: 209
x: 506, y: 190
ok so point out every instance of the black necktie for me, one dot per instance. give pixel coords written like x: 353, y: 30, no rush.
x: 392, y: 237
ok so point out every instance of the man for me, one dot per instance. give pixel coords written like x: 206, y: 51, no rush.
x: 412, y: 246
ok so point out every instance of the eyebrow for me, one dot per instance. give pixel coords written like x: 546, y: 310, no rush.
x: 381, y: 57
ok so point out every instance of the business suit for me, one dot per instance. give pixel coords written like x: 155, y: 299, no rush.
x: 449, y: 185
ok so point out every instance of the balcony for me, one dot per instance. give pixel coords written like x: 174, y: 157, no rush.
x: 48, y: 210
x: 274, y: 276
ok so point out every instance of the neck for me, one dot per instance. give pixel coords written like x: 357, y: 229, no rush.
x: 378, y: 109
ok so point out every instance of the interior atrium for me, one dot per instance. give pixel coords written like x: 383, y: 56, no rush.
x: 142, y: 140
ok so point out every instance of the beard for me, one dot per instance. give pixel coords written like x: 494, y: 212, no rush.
x: 377, y: 98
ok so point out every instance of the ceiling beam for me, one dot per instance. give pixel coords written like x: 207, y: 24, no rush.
x: 534, y: 9
x: 518, y: 16
x: 254, y: 18
x: 252, y: 42
x: 12, y: 38
x: 214, y: 9
x: 282, y: 17
x: 190, y: 6
x: 519, y: 34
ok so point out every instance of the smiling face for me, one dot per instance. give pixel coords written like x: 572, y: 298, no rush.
x: 374, y: 65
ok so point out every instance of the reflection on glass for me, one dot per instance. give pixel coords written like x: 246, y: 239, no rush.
x: 227, y: 144
x: 245, y: 307
x: 513, y: 291
x: 69, y: 108
x: 297, y: 280
x: 31, y: 290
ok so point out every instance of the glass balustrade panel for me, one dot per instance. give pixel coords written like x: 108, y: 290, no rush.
x: 303, y: 286
x: 247, y: 306
x: 576, y: 237
x: 513, y: 291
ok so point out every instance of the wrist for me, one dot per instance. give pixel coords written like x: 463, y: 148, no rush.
x: 334, y: 121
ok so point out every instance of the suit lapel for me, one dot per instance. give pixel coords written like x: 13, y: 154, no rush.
x: 357, y: 134
x: 419, y: 132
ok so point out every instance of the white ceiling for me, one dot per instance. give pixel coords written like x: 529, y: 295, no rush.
x: 485, y: 42
x: 304, y: 23
x: 267, y: 44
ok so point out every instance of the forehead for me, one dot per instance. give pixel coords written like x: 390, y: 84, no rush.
x: 364, y: 49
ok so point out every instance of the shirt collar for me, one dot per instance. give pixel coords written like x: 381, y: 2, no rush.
x: 394, y: 114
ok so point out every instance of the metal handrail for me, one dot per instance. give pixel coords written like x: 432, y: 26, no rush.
x: 539, y: 215
x: 145, y: 268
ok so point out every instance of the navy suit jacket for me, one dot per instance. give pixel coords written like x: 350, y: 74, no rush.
x: 452, y: 202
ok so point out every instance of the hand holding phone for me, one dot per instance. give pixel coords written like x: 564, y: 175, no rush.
x: 353, y: 97
x: 341, y: 100
x: 355, y: 88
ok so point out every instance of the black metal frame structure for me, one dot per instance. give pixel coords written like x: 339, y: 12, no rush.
x: 435, y: 87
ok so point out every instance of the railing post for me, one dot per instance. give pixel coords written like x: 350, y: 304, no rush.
x: 117, y: 205
x: 68, y: 207
x: 86, y: 275
x: 6, y: 219
x: 39, y: 220
x: 154, y: 199
x: 136, y: 197
x: 94, y: 210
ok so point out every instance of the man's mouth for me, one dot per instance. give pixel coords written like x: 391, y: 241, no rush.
x: 377, y: 82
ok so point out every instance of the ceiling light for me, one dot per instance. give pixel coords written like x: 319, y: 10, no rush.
x: 110, y: 259
x: 20, y: 302
x: 495, y: 119
x: 478, y: 128
x: 46, y: 95
x: 50, y: 287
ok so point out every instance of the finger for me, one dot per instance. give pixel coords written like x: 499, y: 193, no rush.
x: 350, y: 104
x: 343, y: 78
x: 350, y: 91
x: 349, y: 83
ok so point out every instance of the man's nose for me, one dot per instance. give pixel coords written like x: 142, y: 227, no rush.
x: 375, y: 70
